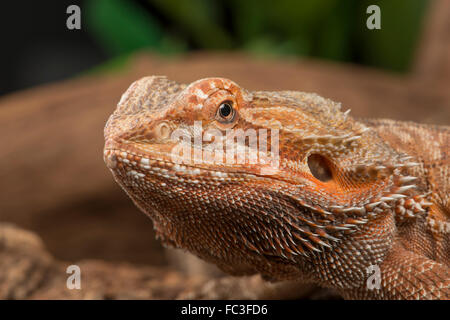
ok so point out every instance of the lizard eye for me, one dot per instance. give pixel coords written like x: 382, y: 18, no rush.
x: 226, y: 112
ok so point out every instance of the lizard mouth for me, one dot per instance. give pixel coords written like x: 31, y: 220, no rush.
x: 159, y: 160
x: 138, y: 165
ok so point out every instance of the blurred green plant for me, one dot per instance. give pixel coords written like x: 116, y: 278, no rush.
x: 329, y: 29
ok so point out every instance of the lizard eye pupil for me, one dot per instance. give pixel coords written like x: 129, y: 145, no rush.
x: 226, y: 112
x: 225, y: 109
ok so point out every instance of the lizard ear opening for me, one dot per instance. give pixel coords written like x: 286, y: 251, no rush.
x: 319, y: 167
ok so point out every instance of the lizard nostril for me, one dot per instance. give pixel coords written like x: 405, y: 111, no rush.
x: 318, y: 165
x: 110, y: 159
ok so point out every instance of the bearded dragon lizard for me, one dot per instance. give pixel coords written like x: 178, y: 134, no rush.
x: 345, y: 202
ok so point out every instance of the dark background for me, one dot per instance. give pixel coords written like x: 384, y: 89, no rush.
x: 38, y: 48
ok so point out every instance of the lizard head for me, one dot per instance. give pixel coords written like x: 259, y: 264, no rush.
x: 255, y: 181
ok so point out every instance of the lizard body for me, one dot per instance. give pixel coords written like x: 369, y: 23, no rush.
x: 343, y: 198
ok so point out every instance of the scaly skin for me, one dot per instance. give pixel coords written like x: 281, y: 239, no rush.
x: 344, y: 196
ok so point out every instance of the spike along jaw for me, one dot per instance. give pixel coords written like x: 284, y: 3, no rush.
x: 338, y: 175
x: 358, y: 185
